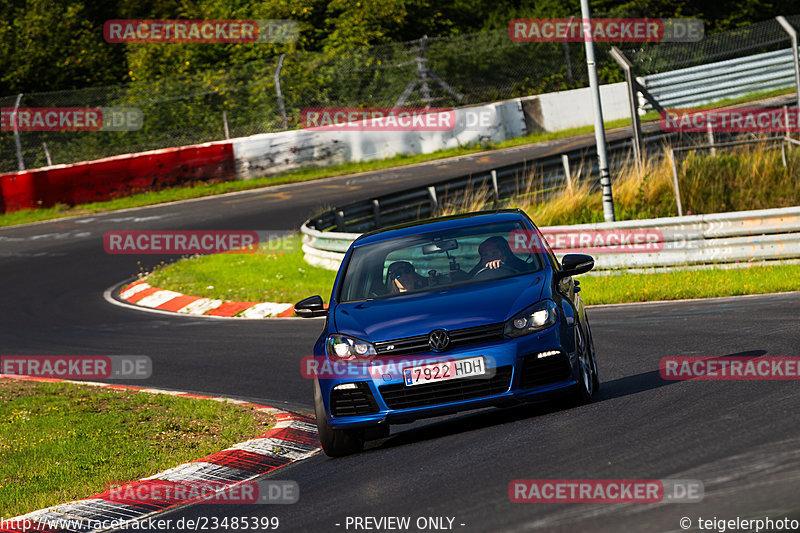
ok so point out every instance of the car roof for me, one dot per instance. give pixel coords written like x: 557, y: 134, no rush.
x: 440, y: 224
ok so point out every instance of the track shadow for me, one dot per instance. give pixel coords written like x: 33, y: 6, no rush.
x: 463, y: 423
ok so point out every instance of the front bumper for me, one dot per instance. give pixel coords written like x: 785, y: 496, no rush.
x: 514, y: 375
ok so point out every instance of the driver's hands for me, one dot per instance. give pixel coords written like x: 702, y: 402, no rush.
x: 497, y: 263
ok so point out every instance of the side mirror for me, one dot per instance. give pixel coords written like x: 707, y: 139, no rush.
x: 574, y: 264
x: 310, y: 307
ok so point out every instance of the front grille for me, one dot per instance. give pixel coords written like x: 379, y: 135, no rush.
x: 353, y: 402
x: 398, y: 396
x: 537, y: 372
x: 458, y: 337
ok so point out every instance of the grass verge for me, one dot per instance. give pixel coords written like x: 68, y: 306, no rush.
x: 61, y: 442
x: 287, y: 278
x: 685, y: 284
x: 279, y: 274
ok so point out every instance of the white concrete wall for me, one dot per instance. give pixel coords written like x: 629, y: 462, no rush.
x: 273, y: 153
x: 572, y: 109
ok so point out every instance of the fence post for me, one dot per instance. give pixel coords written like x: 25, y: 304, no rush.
x: 710, y: 131
x: 783, y: 152
x: 281, y: 107
x: 225, y: 123
x: 675, y: 181
x: 793, y: 36
x: 567, y: 173
x: 599, y: 126
x: 50, y: 161
x: 633, y: 101
x: 20, y: 161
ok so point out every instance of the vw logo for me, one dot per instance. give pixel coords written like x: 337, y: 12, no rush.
x: 438, y: 340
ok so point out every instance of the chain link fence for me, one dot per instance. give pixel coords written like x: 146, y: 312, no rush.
x: 765, y: 36
x: 243, y: 100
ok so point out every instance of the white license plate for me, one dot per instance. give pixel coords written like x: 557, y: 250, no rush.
x: 444, y: 370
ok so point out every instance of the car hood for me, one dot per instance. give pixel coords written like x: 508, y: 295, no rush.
x: 452, y: 308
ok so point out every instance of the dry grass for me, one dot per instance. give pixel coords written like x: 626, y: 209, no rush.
x: 746, y: 178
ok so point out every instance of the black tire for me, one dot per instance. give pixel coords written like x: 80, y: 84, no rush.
x: 335, y: 442
x: 588, y: 381
x: 594, y: 356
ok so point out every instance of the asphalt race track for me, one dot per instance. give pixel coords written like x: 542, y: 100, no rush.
x: 741, y: 439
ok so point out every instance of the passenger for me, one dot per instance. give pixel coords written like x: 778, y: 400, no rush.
x: 495, y: 253
x: 402, y: 277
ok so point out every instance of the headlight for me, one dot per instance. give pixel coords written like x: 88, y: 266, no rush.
x: 535, y: 318
x: 347, y: 348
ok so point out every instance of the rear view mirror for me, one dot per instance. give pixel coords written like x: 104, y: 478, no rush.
x: 440, y: 246
x: 310, y: 307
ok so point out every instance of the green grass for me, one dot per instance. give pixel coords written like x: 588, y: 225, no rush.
x: 60, y: 442
x: 202, y: 189
x: 281, y: 276
x: 287, y: 278
x: 684, y: 284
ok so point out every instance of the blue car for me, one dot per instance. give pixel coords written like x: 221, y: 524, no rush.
x: 446, y: 315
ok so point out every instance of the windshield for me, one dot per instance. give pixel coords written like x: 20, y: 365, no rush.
x: 434, y: 261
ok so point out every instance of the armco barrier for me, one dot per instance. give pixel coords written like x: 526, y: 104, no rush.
x: 710, y: 82
x: 116, y: 176
x: 690, y: 240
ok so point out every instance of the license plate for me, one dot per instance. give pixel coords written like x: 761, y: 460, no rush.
x: 444, y: 370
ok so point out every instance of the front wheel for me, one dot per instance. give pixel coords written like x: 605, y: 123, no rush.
x: 588, y: 382
x: 335, y: 442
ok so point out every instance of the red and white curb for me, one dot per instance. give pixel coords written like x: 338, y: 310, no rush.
x: 293, y: 438
x: 142, y: 294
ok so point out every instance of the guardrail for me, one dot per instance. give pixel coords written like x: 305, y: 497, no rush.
x: 743, y: 236
x: 710, y: 82
x: 501, y: 183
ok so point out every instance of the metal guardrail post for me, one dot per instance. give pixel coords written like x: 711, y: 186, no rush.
x: 434, y: 200
x: 675, y: 181
x: 567, y: 173
x: 376, y: 212
x: 495, y: 189
x: 793, y: 36
x: 633, y: 101
x: 340, y: 220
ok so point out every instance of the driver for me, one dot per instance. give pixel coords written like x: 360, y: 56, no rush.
x: 495, y: 253
x: 402, y: 277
